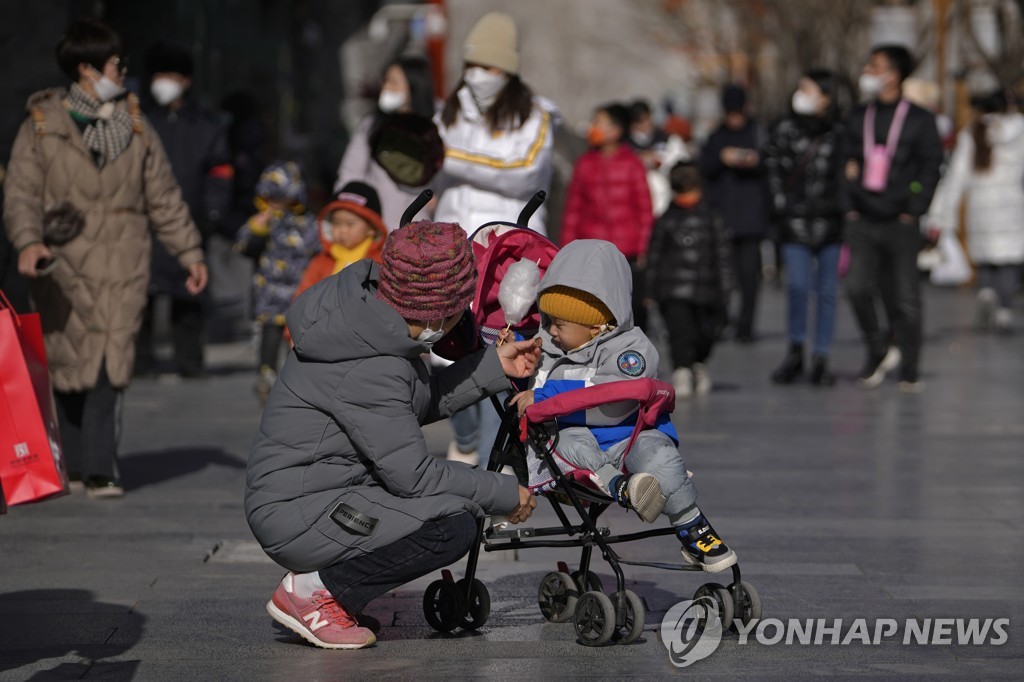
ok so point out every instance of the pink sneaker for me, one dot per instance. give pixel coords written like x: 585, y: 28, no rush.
x: 320, y: 620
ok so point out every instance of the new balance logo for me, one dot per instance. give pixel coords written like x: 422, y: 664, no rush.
x: 315, y: 620
x: 21, y: 450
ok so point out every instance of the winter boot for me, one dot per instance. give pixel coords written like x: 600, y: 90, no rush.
x: 792, y: 366
x: 820, y: 375
x: 703, y: 547
x: 639, y: 492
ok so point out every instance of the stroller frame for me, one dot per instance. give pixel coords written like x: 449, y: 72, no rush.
x: 579, y: 597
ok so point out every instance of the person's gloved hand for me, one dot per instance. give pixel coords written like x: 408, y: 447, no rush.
x: 519, y: 358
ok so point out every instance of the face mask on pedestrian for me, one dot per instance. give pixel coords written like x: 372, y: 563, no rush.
x: 105, y: 88
x: 642, y: 139
x: 870, y: 84
x: 166, y: 90
x: 595, y: 136
x: 484, y: 85
x: 391, y: 101
x: 431, y: 336
x: 805, y: 104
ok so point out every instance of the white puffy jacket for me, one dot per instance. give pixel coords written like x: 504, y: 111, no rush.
x: 490, y: 176
x: 995, y: 198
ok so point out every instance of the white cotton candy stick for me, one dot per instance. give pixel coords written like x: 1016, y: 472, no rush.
x: 518, y: 290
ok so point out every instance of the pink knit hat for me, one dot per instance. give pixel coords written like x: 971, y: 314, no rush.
x: 427, y: 271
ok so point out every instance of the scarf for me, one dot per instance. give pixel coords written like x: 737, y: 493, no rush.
x: 345, y: 257
x: 109, y: 129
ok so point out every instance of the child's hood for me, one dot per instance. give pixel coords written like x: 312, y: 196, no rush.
x: 282, y: 181
x: 341, y: 319
x: 324, y: 228
x: 599, y: 268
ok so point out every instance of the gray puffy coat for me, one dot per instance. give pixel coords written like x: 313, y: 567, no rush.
x: 342, y: 425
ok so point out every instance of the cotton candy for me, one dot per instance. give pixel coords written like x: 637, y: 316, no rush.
x: 518, y: 290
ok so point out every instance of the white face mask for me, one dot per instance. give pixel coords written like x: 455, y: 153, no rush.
x: 431, y: 336
x: 390, y: 101
x: 643, y: 139
x: 165, y: 91
x: 484, y: 85
x: 869, y: 84
x: 805, y: 104
x: 105, y: 88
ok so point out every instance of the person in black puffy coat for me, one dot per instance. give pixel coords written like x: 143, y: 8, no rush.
x: 804, y: 160
x: 690, y: 276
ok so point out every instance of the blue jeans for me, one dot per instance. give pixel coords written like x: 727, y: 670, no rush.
x: 803, y: 277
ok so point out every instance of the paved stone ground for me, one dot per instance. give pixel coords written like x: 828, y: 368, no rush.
x: 841, y: 504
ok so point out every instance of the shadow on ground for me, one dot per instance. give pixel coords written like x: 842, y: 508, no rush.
x: 40, y: 630
x: 139, y: 469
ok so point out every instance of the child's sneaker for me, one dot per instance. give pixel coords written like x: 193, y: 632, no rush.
x: 320, y: 620
x: 641, y: 493
x: 264, y: 382
x: 682, y: 382
x: 703, y: 547
x: 702, y: 379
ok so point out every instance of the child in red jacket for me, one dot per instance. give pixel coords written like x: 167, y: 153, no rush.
x: 351, y: 229
x: 609, y: 198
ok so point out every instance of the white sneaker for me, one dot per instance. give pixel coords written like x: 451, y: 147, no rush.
x: 987, y: 301
x: 891, y: 361
x: 1004, y: 320
x: 456, y: 455
x: 701, y: 379
x: 682, y: 381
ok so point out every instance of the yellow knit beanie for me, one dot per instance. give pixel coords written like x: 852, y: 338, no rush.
x: 574, y: 305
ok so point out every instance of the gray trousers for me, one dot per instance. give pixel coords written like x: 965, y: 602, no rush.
x: 653, y: 453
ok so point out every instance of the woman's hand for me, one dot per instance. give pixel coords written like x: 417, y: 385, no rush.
x: 30, y: 257
x: 522, y: 401
x: 519, y: 358
x: 198, y: 276
x: 527, y: 503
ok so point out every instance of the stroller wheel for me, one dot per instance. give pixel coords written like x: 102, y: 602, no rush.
x: 748, y: 606
x: 722, y: 597
x: 633, y: 621
x: 591, y: 584
x: 594, y: 619
x: 557, y: 597
x: 443, y: 605
x: 479, y: 607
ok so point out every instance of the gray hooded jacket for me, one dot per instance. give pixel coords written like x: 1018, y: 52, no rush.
x: 342, y: 425
x: 620, y: 354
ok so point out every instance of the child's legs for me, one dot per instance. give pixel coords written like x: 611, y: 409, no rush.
x: 798, y: 259
x: 656, y: 454
x: 578, y: 446
x: 708, y: 321
x: 270, y: 344
x: 681, y: 321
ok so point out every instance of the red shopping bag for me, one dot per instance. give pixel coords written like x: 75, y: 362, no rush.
x: 31, y: 465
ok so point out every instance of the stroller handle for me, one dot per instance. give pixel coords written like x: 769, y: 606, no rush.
x: 531, y: 207
x: 416, y: 206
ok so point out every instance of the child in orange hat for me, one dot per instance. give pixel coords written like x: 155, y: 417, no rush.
x: 351, y: 229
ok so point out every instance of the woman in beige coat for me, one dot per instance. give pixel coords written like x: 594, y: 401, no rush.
x: 87, y: 180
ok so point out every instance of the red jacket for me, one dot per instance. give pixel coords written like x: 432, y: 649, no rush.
x: 609, y: 199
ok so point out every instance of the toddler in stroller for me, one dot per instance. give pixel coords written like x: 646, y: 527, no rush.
x: 591, y: 432
x: 589, y: 340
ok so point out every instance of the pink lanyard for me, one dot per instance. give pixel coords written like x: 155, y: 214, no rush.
x: 895, y: 129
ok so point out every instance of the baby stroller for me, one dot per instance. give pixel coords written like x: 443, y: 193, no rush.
x: 578, y: 596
